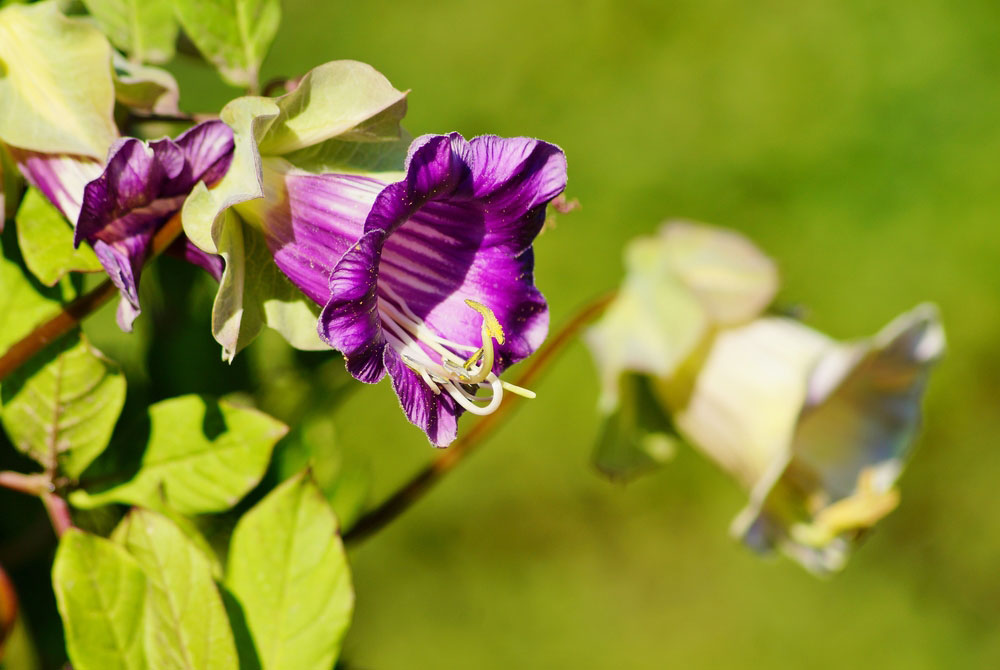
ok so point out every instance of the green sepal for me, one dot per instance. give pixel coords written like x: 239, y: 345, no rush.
x: 343, y: 117
x: 637, y: 436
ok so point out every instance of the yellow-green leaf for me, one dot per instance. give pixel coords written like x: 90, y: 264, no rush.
x: 24, y: 302
x: 55, y: 82
x: 101, y: 592
x: 144, y: 29
x: 233, y: 34
x: 288, y: 571
x: 60, y: 407
x: 200, y: 456
x: 46, y: 241
x: 186, y: 627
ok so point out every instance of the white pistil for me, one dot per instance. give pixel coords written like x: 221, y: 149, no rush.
x: 460, y: 378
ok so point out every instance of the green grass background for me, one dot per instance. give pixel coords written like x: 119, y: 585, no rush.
x: 856, y: 142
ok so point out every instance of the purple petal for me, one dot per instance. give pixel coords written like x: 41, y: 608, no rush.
x: 118, y: 263
x: 436, y: 415
x: 447, y: 243
x: 323, y: 216
x: 186, y: 250
x: 60, y: 177
x: 140, y: 189
x: 351, y: 315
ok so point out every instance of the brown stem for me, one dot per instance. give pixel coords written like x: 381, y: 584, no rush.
x: 379, y: 517
x: 73, y: 313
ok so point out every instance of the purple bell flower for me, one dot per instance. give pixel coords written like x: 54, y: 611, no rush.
x: 429, y: 279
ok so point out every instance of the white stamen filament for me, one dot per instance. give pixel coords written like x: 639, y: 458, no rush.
x: 460, y: 378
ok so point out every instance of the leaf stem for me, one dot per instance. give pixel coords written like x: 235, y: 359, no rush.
x: 387, y: 511
x: 73, y: 313
x: 58, y: 511
x: 34, y: 485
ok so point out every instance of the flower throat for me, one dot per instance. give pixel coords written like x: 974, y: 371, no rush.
x: 462, y: 370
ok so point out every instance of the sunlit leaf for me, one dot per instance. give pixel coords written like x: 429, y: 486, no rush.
x: 288, y: 571
x: 233, y: 34
x: 101, y: 593
x: 200, y: 456
x: 56, y: 85
x: 144, y: 29
x: 24, y: 303
x: 186, y: 627
x: 46, y: 241
x: 61, y: 406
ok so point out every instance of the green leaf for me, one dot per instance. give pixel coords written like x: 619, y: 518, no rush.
x: 46, y: 241
x: 200, y: 456
x: 233, y: 34
x: 145, y: 88
x: 343, y: 117
x: 186, y: 627
x: 288, y: 571
x: 344, y: 475
x: 55, y: 83
x: 637, y: 436
x: 24, y: 303
x: 101, y: 592
x: 11, y: 185
x: 144, y: 29
x: 61, y: 406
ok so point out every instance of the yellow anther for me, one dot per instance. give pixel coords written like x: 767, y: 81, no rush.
x: 483, y: 357
x: 491, y: 327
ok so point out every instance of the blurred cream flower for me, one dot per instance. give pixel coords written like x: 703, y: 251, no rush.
x: 816, y: 430
x: 680, y: 287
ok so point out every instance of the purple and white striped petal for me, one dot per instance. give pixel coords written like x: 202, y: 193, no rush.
x: 60, y: 177
x: 141, y: 187
x: 394, y: 266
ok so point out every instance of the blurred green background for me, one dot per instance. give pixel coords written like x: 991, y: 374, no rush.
x: 856, y: 142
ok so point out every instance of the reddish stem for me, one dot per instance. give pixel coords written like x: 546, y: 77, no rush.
x: 73, y: 313
x: 379, y: 517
